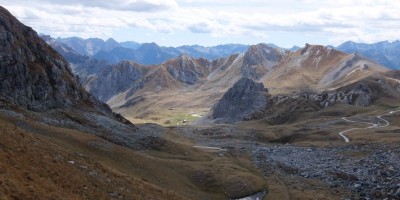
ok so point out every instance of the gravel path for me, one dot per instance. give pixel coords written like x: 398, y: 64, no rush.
x: 373, y: 125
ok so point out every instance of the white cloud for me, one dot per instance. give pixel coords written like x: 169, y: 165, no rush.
x: 337, y: 21
x: 200, y: 27
x: 149, y: 5
x: 130, y: 5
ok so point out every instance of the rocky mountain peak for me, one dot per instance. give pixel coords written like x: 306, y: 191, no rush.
x: 110, y: 44
x: 314, y: 50
x: 150, y: 53
x: 243, y: 101
x: 258, y: 54
x: 259, y: 59
x: 184, y: 57
x: 187, y: 69
x: 111, y: 41
x: 149, y: 46
x: 350, y: 45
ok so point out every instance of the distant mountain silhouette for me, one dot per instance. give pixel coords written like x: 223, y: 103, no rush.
x: 385, y: 53
x: 146, y: 53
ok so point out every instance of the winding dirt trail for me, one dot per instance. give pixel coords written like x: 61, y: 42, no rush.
x: 373, y: 125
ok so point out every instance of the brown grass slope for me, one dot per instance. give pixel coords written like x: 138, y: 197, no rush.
x: 318, y: 68
x: 51, y: 162
x: 34, y: 167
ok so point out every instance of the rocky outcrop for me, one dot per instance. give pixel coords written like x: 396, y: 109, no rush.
x: 241, y: 102
x: 359, y: 95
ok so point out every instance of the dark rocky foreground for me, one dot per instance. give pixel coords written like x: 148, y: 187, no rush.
x: 368, y: 171
x: 365, y: 171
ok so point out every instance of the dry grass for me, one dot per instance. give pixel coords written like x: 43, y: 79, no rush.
x: 34, y: 168
x: 177, y: 171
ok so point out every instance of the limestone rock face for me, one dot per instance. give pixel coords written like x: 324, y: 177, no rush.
x: 241, y: 102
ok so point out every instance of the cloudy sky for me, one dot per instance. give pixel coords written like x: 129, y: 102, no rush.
x: 211, y: 22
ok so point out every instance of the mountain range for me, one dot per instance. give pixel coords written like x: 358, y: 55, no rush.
x: 119, y: 77
x: 384, y: 53
x: 159, y: 93
x: 264, y: 123
x: 184, y: 84
x: 146, y: 53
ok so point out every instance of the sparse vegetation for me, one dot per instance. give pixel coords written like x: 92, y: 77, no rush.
x: 149, y: 174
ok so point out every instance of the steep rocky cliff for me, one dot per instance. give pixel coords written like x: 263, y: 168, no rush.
x: 36, y: 77
x: 241, y: 102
